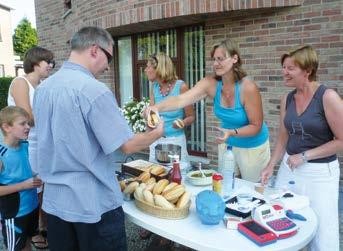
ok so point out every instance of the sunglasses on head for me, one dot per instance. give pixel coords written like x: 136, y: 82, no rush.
x: 51, y: 62
x: 108, y: 55
x: 153, y: 56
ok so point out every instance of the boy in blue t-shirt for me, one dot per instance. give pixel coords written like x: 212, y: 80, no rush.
x: 18, y: 195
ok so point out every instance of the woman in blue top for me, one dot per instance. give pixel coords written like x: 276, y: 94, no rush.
x: 237, y: 104
x: 161, y: 73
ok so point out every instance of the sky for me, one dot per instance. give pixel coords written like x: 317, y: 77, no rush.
x: 22, y: 8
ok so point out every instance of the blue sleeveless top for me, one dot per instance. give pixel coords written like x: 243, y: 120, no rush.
x: 170, y: 116
x: 235, y: 118
x: 15, y: 169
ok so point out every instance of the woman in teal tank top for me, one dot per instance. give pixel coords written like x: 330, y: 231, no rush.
x: 238, y: 106
x: 161, y: 73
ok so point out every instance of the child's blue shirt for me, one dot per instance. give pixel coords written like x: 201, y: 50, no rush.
x: 15, y: 169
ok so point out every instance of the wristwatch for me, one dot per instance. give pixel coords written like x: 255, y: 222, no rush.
x: 303, y: 156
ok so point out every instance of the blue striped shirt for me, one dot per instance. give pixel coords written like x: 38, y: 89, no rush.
x: 78, y: 125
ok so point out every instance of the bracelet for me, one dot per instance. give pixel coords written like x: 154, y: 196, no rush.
x: 236, y: 132
x: 304, y: 157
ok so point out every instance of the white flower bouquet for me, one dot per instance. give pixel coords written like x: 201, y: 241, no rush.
x: 132, y: 112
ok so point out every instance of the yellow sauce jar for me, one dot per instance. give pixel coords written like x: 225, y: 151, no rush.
x: 217, y: 183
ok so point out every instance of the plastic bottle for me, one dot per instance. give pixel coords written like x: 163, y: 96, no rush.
x: 176, y: 173
x: 292, y: 186
x: 228, y: 172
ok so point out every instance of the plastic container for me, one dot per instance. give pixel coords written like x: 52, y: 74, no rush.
x: 228, y: 172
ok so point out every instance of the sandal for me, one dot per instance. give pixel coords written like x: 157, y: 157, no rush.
x: 40, y: 242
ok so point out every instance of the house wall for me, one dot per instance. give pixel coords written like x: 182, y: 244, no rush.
x: 264, y: 28
x: 6, y: 45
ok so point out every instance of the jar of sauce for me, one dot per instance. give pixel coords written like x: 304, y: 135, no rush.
x: 217, y: 183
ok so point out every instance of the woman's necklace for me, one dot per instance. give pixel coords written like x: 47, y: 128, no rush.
x: 166, y: 92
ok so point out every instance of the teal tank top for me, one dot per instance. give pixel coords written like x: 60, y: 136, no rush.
x: 16, y: 168
x: 170, y: 116
x: 235, y: 118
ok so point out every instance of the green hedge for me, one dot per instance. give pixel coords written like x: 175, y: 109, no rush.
x: 4, y: 85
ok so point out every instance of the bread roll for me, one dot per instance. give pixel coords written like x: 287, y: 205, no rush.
x: 160, y: 185
x: 150, y: 186
x: 162, y: 202
x: 122, y: 185
x: 130, y: 188
x: 174, y: 193
x: 139, y: 193
x: 144, y: 177
x: 182, y: 202
x: 142, y: 185
x: 148, y: 197
x: 170, y: 186
x: 151, y: 180
x: 157, y: 170
x: 179, y: 123
x: 153, y: 119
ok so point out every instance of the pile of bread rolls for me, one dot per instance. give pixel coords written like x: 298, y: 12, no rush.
x: 162, y: 193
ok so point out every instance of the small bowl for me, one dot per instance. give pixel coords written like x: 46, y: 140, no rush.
x: 196, y: 179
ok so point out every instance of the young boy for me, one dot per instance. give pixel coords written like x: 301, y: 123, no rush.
x: 18, y: 195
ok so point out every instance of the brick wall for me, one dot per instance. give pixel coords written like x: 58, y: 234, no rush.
x: 264, y: 28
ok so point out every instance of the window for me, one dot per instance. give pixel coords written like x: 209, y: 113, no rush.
x: 186, y: 48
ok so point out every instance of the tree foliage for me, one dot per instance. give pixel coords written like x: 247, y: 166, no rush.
x: 25, y: 36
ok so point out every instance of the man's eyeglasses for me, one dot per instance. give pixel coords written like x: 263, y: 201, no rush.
x: 51, y: 63
x: 108, y: 55
x: 219, y: 59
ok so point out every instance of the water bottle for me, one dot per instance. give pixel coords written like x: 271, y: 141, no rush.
x: 228, y: 172
x: 292, y: 186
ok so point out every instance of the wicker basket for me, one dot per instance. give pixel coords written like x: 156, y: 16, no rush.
x: 172, y: 214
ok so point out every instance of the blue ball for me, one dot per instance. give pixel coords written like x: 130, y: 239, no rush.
x: 210, y: 207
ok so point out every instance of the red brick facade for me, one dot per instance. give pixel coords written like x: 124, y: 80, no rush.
x: 264, y: 28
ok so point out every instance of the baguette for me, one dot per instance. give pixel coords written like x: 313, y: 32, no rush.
x: 150, y: 186
x: 144, y: 177
x: 170, y: 186
x: 157, y: 170
x: 148, y: 197
x: 160, y: 185
x: 151, y: 180
x: 142, y: 185
x: 183, y: 201
x: 162, y: 202
x: 131, y: 187
x: 139, y: 193
x: 174, y: 193
x: 122, y: 185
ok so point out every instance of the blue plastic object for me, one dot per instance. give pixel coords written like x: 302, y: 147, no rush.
x: 210, y: 207
x: 290, y: 214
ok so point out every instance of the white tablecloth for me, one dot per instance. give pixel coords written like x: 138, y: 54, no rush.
x: 190, y: 232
